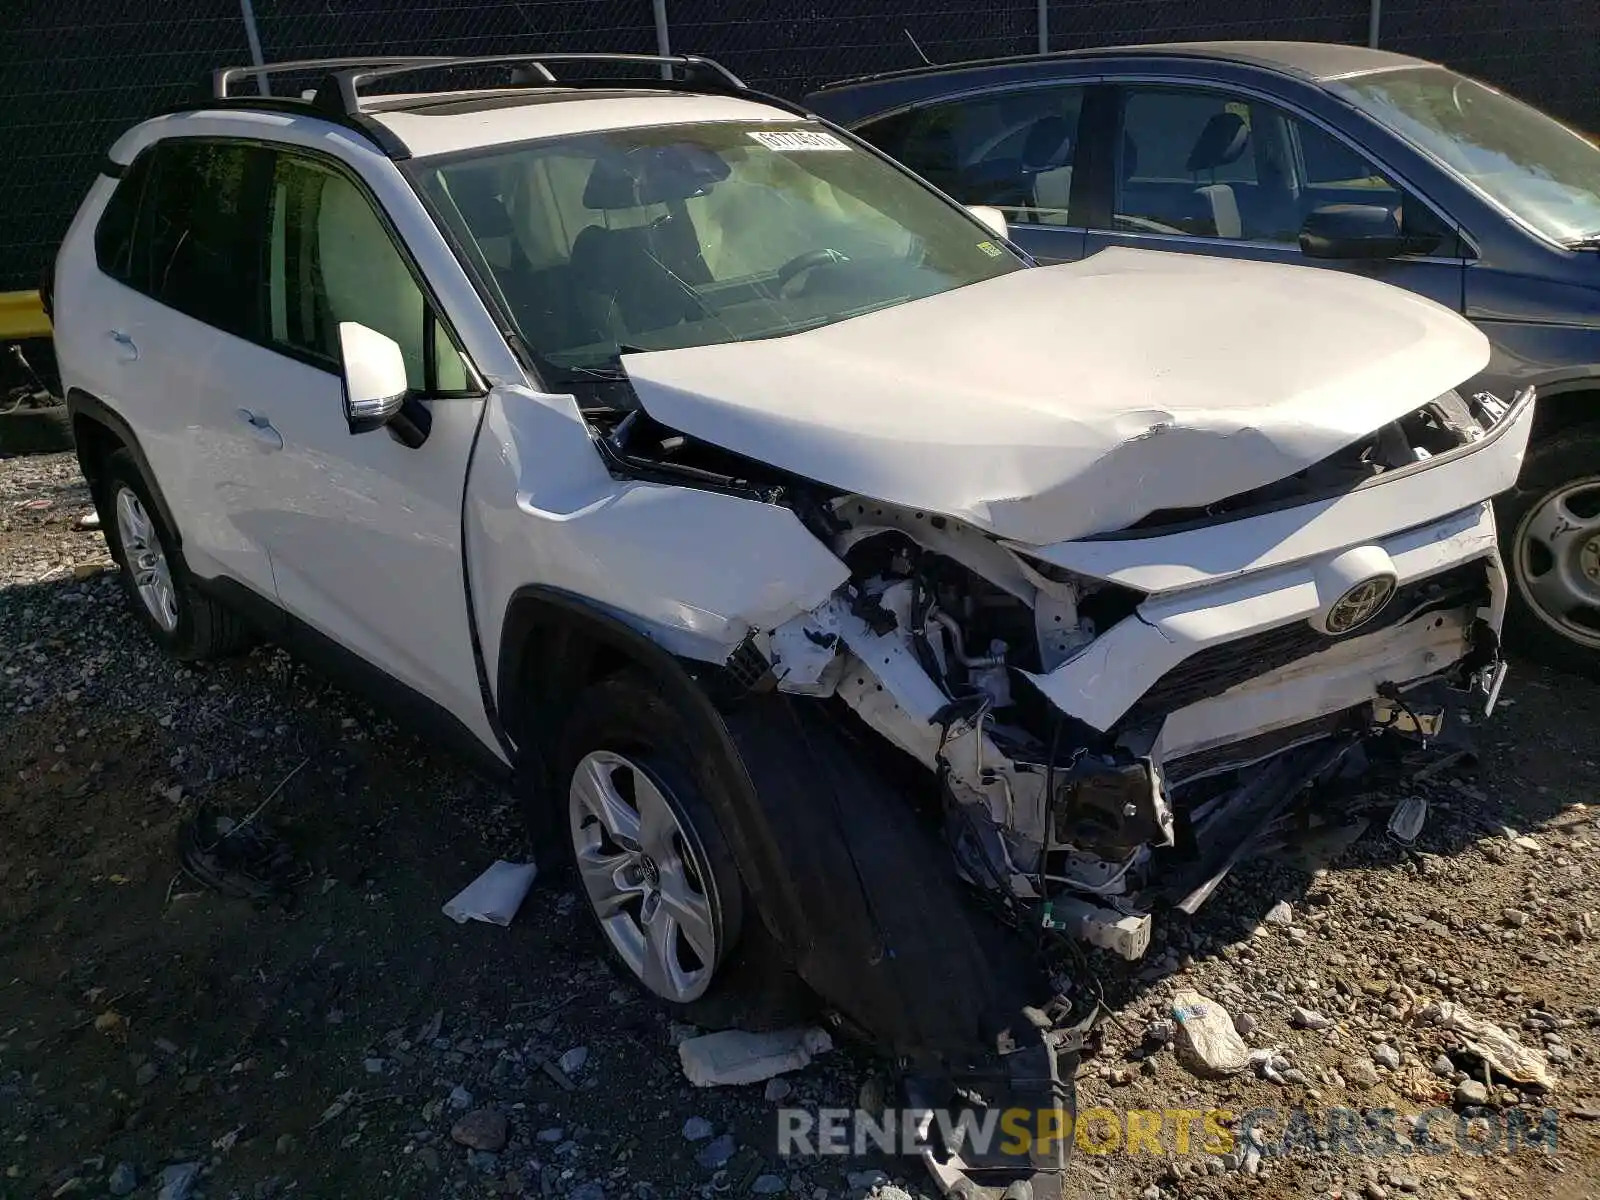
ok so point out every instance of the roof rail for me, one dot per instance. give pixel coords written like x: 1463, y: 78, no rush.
x: 340, y: 92
x: 222, y: 80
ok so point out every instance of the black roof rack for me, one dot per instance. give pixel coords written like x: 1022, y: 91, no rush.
x: 341, y: 91
x: 338, y: 96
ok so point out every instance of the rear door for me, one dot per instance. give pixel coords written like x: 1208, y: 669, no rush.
x: 1015, y: 149
x: 1204, y: 169
x: 180, y: 321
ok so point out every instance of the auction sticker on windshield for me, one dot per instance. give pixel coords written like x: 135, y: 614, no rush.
x: 799, y: 139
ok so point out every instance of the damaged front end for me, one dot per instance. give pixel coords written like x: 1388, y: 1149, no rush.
x: 1113, y: 723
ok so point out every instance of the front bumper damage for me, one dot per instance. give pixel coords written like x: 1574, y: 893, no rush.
x: 1145, y: 757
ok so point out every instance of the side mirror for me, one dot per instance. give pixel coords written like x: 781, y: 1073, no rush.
x: 374, y: 377
x: 1347, y: 231
x: 992, y: 217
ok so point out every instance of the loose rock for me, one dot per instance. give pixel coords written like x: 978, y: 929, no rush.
x: 481, y: 1129
x: 178, y: 1180
x: 1305, y: 1018
x: 716, y: 1153
x: 123, y: 1180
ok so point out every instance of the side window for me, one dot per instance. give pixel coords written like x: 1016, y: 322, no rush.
x: 193, y: 248
x: 1014, y: 150
x: 113, y: 236
x: 1206, y: 163
x: 330, y: 258
x: 1197, y: 162
x: 1333, y: 173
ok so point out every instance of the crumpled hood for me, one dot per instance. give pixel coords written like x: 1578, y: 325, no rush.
x: 1056, y: 402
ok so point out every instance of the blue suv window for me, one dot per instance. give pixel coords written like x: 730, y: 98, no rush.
x: 1201, y: 162
x: 1014, y: 150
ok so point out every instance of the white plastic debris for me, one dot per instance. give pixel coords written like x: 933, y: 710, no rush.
x: 1207, y: 1043
x: 734, y: 1056
x: 1494, y: 1045
x: 493, y: 896
x: 1408, y: 818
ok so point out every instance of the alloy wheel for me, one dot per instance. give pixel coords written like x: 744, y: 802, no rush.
x: 1556, y: 561
x: 147, y: 561
x: 645, y: 875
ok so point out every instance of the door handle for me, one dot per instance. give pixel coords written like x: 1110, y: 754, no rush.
x: 261, y: 429
x: 127, y: 350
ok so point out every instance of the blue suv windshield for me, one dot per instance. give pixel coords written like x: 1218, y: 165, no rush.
x: 1523, y: 160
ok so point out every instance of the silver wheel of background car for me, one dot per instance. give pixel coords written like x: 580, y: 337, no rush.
x: 146, y: 560
x: 1557, y: 560
x: 646, y: 876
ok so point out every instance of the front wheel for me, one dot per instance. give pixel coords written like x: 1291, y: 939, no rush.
x: 654, y: 869
x: 1550, y: 539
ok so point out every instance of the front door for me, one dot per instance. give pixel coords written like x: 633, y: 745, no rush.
x: 365, y: 532
x: 1202, y: 170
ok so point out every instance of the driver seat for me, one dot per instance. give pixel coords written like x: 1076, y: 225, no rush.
x: 624, y: 285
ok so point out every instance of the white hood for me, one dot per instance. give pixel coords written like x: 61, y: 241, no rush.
x: 1056, y: 402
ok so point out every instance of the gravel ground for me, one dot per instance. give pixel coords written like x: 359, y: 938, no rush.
x: 160, y: 1040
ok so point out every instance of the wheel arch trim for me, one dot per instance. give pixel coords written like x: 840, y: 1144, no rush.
x: 88, y: 411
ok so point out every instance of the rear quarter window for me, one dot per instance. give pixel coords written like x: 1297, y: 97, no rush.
x: 113, y: 236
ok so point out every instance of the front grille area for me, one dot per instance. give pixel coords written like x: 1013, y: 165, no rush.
x: 1253, y: 749
x: 1217, y: 668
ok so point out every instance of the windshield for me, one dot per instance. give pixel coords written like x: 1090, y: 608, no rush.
x: 686, y: 235
x: 1514, y: 154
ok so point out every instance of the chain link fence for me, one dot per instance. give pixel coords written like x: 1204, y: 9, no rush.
x: 75, y: 73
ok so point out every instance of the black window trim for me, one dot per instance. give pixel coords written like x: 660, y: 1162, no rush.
x: 1118, y: 83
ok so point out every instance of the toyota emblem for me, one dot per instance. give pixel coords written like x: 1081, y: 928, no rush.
x: 1360, y: 604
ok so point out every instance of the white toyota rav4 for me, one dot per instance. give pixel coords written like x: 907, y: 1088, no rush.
x: 837, y: 586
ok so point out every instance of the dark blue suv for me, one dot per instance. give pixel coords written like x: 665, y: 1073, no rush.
x: 1333, y: 156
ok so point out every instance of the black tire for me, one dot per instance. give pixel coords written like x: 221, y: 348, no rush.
x: 28, y: 430
x: 1572, y: 455
x: 751, y: 987
x: 205, y: 629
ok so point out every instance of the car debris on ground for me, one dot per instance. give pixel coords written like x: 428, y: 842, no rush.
x: 731, y: 1057
x: 494, y: 896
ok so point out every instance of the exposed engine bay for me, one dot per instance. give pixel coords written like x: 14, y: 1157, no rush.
x: 1089, y: 765
x: 936, y: 640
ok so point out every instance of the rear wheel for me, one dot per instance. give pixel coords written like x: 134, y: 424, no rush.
x: 1550, y: 531
x: 654, y: 869
x: 165, y: 596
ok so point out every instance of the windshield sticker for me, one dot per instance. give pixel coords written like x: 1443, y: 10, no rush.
x: 800, y: 139
x: 990, y: 249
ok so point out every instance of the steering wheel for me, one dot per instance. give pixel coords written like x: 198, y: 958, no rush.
x: 801, y: 263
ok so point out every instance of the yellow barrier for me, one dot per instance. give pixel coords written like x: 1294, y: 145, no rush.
x: 22, y: 316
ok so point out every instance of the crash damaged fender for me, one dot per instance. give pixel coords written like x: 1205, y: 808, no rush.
x: 694, y: 571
